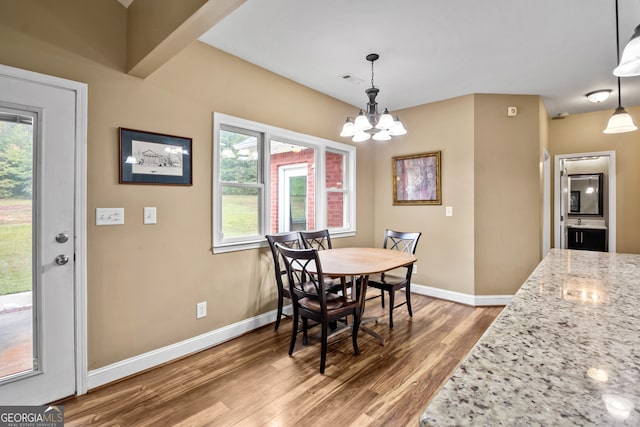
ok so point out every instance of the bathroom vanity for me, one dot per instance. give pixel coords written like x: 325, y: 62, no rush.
x: 587, y: 238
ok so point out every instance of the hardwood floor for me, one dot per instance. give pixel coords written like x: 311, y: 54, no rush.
x: 251, y: 380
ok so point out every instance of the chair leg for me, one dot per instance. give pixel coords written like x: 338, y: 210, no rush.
x: 391, y: 304
x: 294, y: 332
x: 305, y: 326
x: 279, y: 315
x: 382, y: 297
x: 408, y: 293
x: 323, y: 347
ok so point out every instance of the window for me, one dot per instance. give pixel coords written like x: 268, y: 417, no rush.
x: 271, y: 180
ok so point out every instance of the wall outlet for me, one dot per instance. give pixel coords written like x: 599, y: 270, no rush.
x: 201, y: 310
x: 415, y: 268
x: 109, y: 216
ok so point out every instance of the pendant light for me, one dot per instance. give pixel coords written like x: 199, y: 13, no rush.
x: 620, y: 121
x: 370, y: 124
x: 629, y: 65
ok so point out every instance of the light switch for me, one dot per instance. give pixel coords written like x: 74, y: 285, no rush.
x: 449, y: 211
x: 109, y: 216
x: 149, y: 215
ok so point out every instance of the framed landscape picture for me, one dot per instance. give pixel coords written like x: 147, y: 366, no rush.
x: 154, y: 158
x: 416, y: 179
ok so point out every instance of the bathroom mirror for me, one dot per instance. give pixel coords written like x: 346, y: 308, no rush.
x: 585, y: 194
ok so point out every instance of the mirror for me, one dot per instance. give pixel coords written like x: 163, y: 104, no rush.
x: 585, y: 194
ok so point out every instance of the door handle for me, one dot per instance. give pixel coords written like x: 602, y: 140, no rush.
x: 62, y: 259
x: 62, y: 237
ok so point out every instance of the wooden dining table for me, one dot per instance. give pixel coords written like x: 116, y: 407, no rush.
x: 360, y: 263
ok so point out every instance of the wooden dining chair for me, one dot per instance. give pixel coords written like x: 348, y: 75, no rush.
x: 291, y: 240
x: 392, y: 281
x: 321, y: 240
x: 312, y: 300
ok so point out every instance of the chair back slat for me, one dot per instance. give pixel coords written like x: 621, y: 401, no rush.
x: 319, y: 240
x: 401, y: 241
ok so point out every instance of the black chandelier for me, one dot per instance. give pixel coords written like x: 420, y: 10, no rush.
x: 372, y: 124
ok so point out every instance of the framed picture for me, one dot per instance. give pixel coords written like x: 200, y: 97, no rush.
x: 154, y: 158
x: 416, y: 179
x: 574, y: 201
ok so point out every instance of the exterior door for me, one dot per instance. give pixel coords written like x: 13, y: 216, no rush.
x: 293, y: 198
x: 37, y: 211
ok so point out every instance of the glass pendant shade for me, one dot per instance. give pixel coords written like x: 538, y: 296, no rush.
x: 362, y: 123
x: 361, y: 136
x: 620, y: 122
x: 382, y: 135
x: 630, y: 62
x: 398, y: 128
x: 386, y: 121
x: 347, y: 129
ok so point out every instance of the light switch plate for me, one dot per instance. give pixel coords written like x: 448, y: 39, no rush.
x: 109, y: 216
x: 150, y: 215
x: 449, y: 211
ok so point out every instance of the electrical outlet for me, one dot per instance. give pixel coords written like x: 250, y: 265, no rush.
x: 201, y: 310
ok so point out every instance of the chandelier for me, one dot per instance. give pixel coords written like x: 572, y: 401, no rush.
x: 371, y: 124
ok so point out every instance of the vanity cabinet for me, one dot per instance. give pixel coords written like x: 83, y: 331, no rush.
x: 587, y: 239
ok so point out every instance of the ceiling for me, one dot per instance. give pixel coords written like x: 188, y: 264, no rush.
x: 438, y: 49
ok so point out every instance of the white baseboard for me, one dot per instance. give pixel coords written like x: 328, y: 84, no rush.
x: 142, y: 362
x: 133, y: 365
x: 473, y: 300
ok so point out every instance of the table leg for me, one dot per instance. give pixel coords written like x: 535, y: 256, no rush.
x: 362, y: 298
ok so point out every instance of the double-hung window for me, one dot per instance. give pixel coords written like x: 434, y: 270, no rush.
x: 270, y: 180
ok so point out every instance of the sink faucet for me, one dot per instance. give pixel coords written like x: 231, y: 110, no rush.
x: 579, y: 221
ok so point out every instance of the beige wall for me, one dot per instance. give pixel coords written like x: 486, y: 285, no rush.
x: 582, y: 133
x: 445, y: 251
x: 144, y: 281
x: 507, y: 192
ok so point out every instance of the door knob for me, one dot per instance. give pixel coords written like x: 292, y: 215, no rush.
x: 61, y: 238
x: 62, y: 259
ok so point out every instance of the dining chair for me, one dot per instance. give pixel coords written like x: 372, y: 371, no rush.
x: 291, y: 240
x: 312, y: 300
x: 392, y: 281
x: 321, y: 240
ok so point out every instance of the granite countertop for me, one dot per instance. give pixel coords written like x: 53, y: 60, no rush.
x: 565, y: 351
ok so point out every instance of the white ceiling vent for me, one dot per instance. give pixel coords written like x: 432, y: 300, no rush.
x: 352, y: 79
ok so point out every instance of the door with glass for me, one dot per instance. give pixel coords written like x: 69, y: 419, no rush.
x: 37, y: 242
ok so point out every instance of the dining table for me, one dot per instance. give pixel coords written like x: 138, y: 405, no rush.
x: 360, y: 263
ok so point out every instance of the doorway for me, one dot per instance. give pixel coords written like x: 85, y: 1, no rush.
x: 43, y: 222
x: 567, y: 164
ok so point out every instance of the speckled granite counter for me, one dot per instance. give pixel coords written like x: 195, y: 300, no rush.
x: 565, y: 351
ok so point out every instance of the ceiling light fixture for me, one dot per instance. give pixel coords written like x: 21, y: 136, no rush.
x: 370, y: 123
x: 598, y: 95
x: 620, y: 121
x: 630, y: 64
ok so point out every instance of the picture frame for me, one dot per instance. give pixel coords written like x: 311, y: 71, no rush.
x: 154, y: 158
x: 417, y: 179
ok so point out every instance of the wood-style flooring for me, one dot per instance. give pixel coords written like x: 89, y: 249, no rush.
x: 251, y: 380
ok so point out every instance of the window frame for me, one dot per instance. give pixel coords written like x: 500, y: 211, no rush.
x: 268, y: 134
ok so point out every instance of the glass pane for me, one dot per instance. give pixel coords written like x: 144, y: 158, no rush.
x: 240, y: 212
x: 292, y: 187
x: 335, y: 170
x: 335, y: 209
x: 239, y: 157
x: 16, y: 303
x: 297, y: 203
